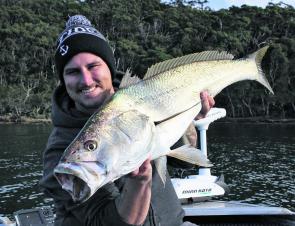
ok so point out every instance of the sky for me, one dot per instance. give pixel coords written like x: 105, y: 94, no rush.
x: 219, y: 4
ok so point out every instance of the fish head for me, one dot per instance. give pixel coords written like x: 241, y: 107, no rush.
x: 104, y: 151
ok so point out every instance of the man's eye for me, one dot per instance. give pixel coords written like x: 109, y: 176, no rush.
x: 93, y: 66
x: 71, y: 72
x: 90, y: 145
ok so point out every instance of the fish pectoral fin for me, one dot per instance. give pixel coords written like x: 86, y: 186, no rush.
x: 190, y: 154
x: 161, y: 167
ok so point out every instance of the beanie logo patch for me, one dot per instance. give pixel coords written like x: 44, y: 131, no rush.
x: 63, y: 49
x: 78, y: 30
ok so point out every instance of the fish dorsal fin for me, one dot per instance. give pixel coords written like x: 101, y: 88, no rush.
x: 187, y: 59
x: 129, y: 79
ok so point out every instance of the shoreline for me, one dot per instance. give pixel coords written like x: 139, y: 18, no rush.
x: 29, y: 120
x: 23, y: 120
x: 261, y: 120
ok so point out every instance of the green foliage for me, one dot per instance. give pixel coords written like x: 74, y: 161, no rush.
x: 141, y: 34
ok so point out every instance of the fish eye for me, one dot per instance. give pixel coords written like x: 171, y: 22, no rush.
x: 90, y: 145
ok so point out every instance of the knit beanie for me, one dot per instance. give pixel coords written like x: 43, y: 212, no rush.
x: 80, y: 36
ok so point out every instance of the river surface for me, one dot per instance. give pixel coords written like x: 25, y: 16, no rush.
x: 257, y: 160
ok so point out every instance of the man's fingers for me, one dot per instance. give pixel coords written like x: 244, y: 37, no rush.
x: 134, y: 172
x: 207, y: 103
x: 211, y: 101
x: 144, y: 170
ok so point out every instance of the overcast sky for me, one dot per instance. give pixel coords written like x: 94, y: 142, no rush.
x: 218, y: 4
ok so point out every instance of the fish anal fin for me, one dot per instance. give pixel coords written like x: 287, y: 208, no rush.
x: 190, y: 154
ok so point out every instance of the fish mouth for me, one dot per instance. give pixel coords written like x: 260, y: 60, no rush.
x: 81, y: 181
x: 78, y: 189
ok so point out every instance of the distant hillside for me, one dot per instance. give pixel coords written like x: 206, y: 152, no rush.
x: 141, y: 34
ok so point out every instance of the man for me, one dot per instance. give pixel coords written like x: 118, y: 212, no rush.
x: 86, y: 67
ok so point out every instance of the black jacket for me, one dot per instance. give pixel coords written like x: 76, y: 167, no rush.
x: 165, y: 208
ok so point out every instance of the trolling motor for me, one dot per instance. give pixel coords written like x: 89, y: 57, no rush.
x: 203, y: 185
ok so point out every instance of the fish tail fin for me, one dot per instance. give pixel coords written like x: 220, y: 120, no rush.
x: 257, y: 57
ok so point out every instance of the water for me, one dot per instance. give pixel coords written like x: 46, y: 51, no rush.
x: 257, y: 160
x: 21, y: 149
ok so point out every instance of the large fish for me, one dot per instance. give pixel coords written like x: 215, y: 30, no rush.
x: 146, y: 117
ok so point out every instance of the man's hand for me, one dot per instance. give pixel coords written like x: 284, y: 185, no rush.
x: 134, y: 201
x: 207, y: 103
x: 143, y: 173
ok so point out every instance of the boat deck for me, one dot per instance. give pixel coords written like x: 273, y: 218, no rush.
x: 211, y: 213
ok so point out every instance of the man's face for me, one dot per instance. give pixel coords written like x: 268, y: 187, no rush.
x: 88, y: 81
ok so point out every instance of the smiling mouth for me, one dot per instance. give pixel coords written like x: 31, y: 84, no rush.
x: 88, y: 90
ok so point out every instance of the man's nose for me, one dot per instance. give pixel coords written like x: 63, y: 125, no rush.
x: 86, y: 77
